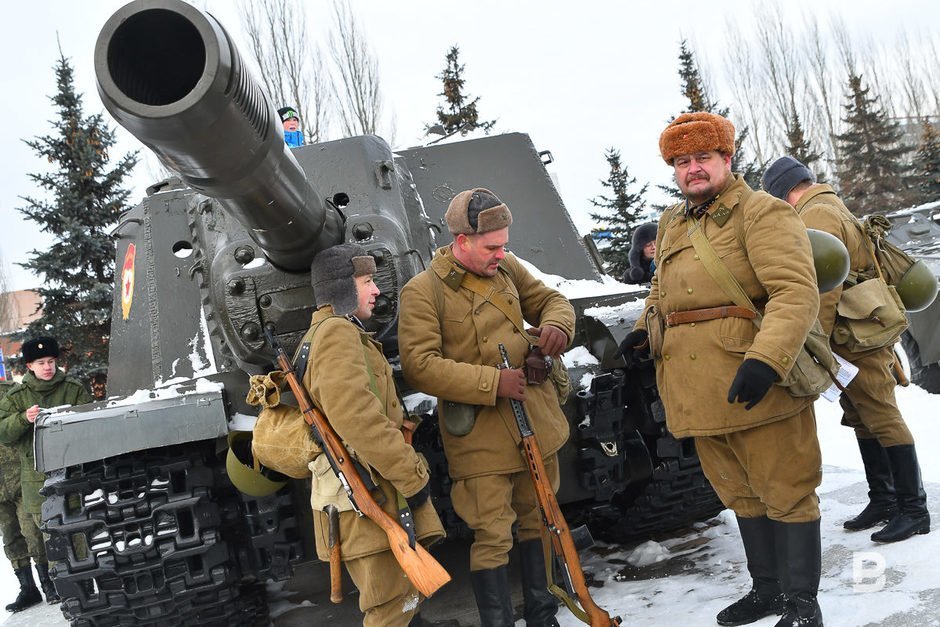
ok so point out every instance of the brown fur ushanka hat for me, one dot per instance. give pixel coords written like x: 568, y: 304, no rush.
x: 476, y: 210
x: 696, y: 132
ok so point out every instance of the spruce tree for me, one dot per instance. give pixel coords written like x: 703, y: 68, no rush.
x: 927, y: 165
x: 871, y: 167
x: 85, y: 200
x: 798, y: 145
x: 620, y: 215
x: 458, y: 112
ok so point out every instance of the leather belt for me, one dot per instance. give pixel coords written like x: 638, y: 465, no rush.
x: 709, y: 313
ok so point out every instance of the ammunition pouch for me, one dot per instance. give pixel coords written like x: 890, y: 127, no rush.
x: 325, y: 487
x: 539, y: 367
x: 870, y: 315
x: 814, y: 368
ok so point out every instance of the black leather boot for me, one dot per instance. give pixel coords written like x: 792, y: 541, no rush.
x: 540, y: 604
x: 491, y: 591
x: 765, y: 597
x: 799, y: 555
x: 48, y: 588
x: 882, y: 504
x: 912, y: 516
x: 29, y: 593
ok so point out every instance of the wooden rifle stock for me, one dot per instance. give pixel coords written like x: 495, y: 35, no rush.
x: 424, y: 572
x: 554, y: 520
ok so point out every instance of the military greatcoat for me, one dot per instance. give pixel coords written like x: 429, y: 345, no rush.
x: 763, y: 243
x: 448, y: 337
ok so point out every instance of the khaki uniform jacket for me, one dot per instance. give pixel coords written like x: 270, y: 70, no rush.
x: 17, y: 432
x: 338, y: 380
x: 453, y: 353
x: 821, y: 209
x: 775, y: 268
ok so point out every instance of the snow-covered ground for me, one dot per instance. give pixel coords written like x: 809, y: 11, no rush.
x: 686, y: 580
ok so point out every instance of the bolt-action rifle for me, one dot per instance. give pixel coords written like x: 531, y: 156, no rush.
x: 424, y: 572
x: 563, y: 543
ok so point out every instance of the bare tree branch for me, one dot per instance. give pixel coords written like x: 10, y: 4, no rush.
x: 356, y: 85
x: 291, y: 68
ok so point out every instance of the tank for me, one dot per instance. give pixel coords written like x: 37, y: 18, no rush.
x: 144, y: 525
x: 917, y: 232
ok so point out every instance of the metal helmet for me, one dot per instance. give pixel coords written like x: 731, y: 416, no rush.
x: 831, y: 258
x: 245, y: 472
x: 917, y: 288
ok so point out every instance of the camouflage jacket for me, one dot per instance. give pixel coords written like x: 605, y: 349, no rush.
x: 17, y: 432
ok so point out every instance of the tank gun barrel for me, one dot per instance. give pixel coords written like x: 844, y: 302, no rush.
x: 171, y: 75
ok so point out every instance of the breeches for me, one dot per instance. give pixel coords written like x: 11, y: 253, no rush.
x: 772, y: 470
x: 386, y: 596
x: 490, y: 504
x: 869, y: 404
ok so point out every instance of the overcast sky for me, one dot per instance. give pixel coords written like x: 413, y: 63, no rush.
x: 579, y: 77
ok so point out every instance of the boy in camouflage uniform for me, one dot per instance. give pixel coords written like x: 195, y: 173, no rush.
x: 43, y: 386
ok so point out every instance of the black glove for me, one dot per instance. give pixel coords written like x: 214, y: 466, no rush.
x: 420, y: 498
x: 751, y: 382
x: 635, y: 346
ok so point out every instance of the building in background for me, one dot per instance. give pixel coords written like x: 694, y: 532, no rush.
x: 17, y: 309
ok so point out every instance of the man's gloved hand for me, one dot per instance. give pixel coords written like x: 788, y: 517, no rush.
x: 420, y: 498
x: 512, y: 383
x: 751, y: 382
x: 634, y: 346
x: 552, y: 340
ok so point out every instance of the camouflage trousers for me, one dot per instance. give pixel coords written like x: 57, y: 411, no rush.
x: 22, y: 539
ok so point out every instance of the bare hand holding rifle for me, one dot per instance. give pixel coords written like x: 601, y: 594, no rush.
x: 562, y: 541
x: 424, y: 572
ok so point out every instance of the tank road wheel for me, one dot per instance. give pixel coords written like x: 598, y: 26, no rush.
x: 142, y: 540
x: 926, y: 376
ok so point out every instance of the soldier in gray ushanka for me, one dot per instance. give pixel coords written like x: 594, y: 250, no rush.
x: 895, y: 489
x: 350, y: 380
x: 474, y: 296
x: 716, y: 370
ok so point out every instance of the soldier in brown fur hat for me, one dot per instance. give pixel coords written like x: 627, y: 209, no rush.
x: 757, y: 442
x: 350, y: 380
x: 454, y: 315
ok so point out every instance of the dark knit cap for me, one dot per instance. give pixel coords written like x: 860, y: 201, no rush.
x: 783, y: 175
x: 696, y: 132
x: 476, y: 210
x: 333, y: 273
x: 40, y: 347
x: 287, y: 113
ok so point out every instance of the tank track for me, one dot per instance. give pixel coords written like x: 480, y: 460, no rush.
x: 676, y: 493
x: 160, y: 538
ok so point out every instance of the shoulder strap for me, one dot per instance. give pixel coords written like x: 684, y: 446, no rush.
x: 719, y: 271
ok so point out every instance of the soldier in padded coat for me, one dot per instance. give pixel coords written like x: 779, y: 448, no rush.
x: 350, y: 380
x: 454, y: 315
x: 895, y: 489
x: 716, y: 370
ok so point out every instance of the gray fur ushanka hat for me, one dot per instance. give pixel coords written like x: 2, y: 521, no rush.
x: 333, y: 274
